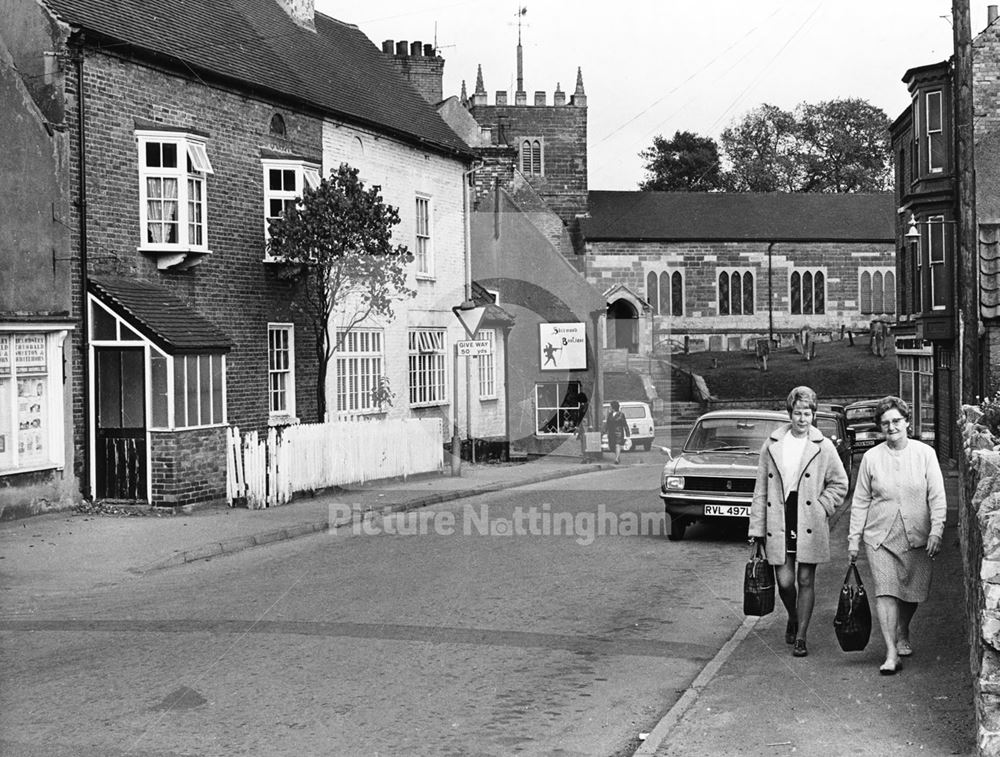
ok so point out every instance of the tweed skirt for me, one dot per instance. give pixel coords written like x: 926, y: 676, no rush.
x: 898, y: 569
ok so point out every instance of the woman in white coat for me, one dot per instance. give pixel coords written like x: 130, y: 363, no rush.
x: 800, y: 483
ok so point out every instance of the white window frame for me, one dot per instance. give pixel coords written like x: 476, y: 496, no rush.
x: 936, y: 225
x: 46, y: 344
x: 802, y: 272
x: 281, y: 373
x: 427, y: 350
x: 190, y: 174
x: 933, y: 132
x: 487, y: 365
x: 423, y: 236
x: 559, y: 411
x: 359, y: 368
x: 306, y: 175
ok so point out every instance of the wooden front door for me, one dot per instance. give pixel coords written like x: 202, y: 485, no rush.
x: 120, y: 457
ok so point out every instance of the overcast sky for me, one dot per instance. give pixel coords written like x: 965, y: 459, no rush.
x: 658, y: 66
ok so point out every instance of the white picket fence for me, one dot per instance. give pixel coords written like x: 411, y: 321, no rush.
x: 267, y: 470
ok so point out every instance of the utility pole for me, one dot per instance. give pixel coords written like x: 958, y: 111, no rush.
x: 966, y: 266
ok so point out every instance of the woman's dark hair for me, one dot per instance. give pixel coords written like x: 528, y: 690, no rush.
x: 801, y: 394
x: 615, y: 405
x: 888, y: 403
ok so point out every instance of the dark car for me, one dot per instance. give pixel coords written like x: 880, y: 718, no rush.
x: 833, y: 424
x: 713, y: 476
x: 861, y: 421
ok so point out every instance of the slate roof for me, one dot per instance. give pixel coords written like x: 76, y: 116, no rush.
x: 254, y: 44
x: 160, y: 316
x: 739, y: 217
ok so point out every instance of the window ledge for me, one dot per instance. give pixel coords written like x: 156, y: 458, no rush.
x: 283, y: 420
x: 175, y: 257
x: 425, y: 277
x: 442, y: 403
x: 38, y: 467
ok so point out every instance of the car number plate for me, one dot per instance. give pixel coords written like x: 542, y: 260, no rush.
x: 738, y: 511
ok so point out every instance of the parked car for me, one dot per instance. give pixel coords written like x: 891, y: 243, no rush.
x: 861, y: 420
x: 640, y: 424
x: 713, y: 476
x: 833, y: 424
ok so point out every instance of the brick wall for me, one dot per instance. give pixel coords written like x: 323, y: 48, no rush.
x: 562, y: 130
x: 187, y: 467
x: 986, y: 75
x: 231, y: 287
x: 628, y: 263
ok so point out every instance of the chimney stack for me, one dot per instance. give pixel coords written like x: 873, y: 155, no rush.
x: 559, y: 97
x: 418, y: 64
x: 302, y: 12
x: 539, y: 97
x: 991, y: 15
x: 501, y: 97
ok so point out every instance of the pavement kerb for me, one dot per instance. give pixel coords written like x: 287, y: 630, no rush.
x: 667, y: 723
x: 238, y: 543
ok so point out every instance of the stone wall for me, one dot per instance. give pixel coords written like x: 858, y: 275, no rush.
x: 979, y: 526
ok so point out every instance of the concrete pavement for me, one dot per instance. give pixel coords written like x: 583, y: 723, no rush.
x: 754, y: 698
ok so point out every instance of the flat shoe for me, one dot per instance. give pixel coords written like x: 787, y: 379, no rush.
x: 890, y: 670
x: 904, y: 649
x: 799, y: 650
x: 791, y: 628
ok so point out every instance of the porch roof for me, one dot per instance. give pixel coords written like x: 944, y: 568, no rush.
x: 160, y: 315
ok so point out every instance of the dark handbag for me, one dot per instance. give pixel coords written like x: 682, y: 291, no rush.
x: 853, y: 621
x: 758, y: 583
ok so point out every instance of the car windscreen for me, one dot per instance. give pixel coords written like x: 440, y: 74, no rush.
x: 730, y: 433
x: 829, y: 426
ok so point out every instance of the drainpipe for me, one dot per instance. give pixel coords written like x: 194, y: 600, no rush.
x: 770, y: 297
x: 84, y: 315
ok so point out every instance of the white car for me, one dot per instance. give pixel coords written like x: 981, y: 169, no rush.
x: 640, y: 424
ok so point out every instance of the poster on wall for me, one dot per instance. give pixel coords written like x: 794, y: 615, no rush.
x: 562, y: 346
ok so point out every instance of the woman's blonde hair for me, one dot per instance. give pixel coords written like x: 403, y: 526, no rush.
x: 801, y: 394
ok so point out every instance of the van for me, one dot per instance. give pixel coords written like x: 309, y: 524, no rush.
x: 640, y: 423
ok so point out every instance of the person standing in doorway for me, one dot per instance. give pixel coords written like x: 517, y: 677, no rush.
x: 800, y: 483
x: 899, y: 511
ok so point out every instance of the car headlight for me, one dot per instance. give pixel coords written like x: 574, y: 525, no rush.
x: 673, y: 482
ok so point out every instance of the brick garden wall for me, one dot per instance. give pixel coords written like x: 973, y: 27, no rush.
x: 187, y: 467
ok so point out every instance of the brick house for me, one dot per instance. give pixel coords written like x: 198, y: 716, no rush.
x: 720, y: 270
x: 947, y: 335
x: 182, y: 142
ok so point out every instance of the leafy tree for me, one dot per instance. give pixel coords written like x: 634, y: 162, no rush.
x: 686, y: 163
x: 834, y: 146
x: 336, y: 246
x: 844, y: 147
x: 761, y: 150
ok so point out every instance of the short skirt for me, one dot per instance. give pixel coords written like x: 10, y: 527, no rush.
x: 898, y: 569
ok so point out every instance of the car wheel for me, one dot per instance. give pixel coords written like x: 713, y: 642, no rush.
x: 677, y: 527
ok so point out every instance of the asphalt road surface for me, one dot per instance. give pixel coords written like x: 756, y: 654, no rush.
x: 554, y: 619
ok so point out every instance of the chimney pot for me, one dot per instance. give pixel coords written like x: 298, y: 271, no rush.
x: 429, y: 50
x: 402, y: 47
x: 501, y: 97
x: 559, y: 97
x: 388, y: 46
x: 539, y: 97
x: 991, y: 15
x: 415, y: 48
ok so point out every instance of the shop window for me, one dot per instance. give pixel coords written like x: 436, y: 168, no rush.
x: 31, y: 401
x: 559, y: 405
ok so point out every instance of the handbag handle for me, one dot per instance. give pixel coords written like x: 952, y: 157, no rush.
x: 852, y: 568
x: 757, y: 550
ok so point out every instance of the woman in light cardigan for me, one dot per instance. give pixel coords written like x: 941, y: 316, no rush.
x: 899, y: 510
x: 800, y: 483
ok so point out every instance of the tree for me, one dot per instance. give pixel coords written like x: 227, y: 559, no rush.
x: 844, y: 147
x: 761, y: 150
x: 336, y: 246
x: 833, y: 146
x: 686, y: 163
